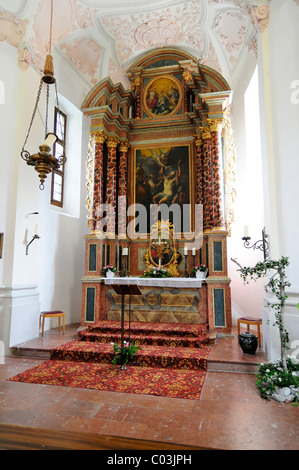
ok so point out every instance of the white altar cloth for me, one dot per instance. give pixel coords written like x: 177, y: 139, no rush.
x: 164, y: 282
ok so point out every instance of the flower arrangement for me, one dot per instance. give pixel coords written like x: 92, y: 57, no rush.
x: 152, y: 271
x: 124, y: 354
x: 109, y: 267
x: 275, y: 381
x: 199, y: 267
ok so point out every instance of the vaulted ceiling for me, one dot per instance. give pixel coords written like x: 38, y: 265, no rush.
x: 99, y: 38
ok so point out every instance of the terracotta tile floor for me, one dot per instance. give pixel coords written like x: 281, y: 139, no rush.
x: 229, y: 415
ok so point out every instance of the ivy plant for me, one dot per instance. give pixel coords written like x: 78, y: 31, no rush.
x: 277, y: 284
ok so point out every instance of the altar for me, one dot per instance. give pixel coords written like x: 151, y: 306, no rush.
x: 166, y: 300
x: 160, y: 153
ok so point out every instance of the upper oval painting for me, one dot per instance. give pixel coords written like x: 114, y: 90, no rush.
x: 162, y: 96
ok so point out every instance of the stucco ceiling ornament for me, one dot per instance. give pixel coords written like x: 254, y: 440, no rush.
x: 261, y: 15
x: 231, y: 27
x: 12, y: 29
x: 180, y: 24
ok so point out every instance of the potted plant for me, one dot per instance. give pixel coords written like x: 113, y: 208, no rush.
x: 280, y: 379
x: 200, y: 271
x: 109, y: 270
x: 124, y: 354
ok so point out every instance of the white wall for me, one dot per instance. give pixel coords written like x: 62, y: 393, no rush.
x: 279, y: 67
x: 49, y: 277
x: 247, y: 300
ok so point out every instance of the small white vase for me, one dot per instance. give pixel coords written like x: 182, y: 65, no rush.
x: 201, y: 274
x: 109, y: 273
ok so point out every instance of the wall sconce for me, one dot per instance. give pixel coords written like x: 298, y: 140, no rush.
x: 43, y: 162
x: 33, y: 238
x: 262, y: 244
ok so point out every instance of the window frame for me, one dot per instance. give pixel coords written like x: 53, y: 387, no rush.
x: 61, y: 172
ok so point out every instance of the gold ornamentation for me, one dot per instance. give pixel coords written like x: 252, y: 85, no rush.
x: 163, y: 230
x: 124, y: 147
x: 215, y: 125
x: 205, y: 133
x: 152, y: 299
x: 112, y: 142
x: 99, y: 137
x: 197, y: 140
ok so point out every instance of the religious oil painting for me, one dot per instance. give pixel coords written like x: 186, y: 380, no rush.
x: 162, y: 96
x: 163, y: 177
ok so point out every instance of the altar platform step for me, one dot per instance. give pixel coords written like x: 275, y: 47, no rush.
x: 156, y: 334
x: 150, y: 356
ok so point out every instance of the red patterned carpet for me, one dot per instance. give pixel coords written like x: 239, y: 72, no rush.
x: 172, y: 361
x: 143, y: 380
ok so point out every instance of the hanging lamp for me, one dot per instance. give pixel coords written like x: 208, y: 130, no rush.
x: 43, y: 162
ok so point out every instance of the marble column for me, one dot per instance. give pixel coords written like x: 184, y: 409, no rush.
x: 98, y: 139
x: 111, y: 186
x: 207, y: 180
x: 199, y: 169
x: 215, y: 126
x: 123, y: 189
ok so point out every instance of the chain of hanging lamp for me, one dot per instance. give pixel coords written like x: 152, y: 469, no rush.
x: 43, y: 161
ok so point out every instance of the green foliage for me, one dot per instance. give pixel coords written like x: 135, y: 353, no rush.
x: 124, y: 354
x: 156, y: 272
x: 273, y: 374
x: 277, y: 284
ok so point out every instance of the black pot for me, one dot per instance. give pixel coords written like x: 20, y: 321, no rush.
x: 248, y: 342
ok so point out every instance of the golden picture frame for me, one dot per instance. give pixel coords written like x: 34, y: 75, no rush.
x: 152, y: 167
x: 162, y: 96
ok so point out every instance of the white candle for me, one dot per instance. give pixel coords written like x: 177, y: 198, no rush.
x: 185, y: 251
x: 125, y: 251
x: 193, y: 251
x: 36, y: 229
x: 51, y: 138
x: 246, y: 231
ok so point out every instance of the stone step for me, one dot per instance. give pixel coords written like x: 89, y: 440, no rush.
x: 185, y: 330
x: 150, y: 356
x: 157, y: 340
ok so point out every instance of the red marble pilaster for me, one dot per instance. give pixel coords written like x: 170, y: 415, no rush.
x: 111, y: 191
x: 98, y: 177
x: 199, y: 170
x: 123, y: 189
x: 207, y: 183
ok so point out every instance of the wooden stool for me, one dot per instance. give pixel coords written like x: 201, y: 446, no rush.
x: 55, y: 313
x: 251, y: 321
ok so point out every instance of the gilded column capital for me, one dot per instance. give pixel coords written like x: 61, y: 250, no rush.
x: 112, y: 142
x: 215, y: 125
x: 187, y: 76
x: 197, y: 140
x: 205, y: 133
x: 124, y: 147
x: 98, y: 136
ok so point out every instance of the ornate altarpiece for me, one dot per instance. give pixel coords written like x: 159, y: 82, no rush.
x: 173, y: 121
